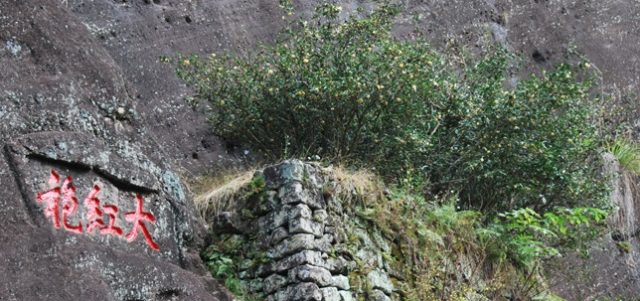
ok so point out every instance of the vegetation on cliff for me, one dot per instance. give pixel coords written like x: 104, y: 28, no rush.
x: 349, y: 92
x: 478, y: 161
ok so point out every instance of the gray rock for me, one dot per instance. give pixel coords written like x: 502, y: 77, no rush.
x: 274, y: 282
x: 76, y: 66
x: 380, y: 241
x: 247, y: 274
x: 300, y: 211
x: 341, y: 282
x: 292, y: 194
x: 298, y: 292
x: 285, y: 264
x: 295, y: 193
x: 293, y: 244
x: 273, y: 220
x: 256, y: 285
x: 303, y: 225
x: 278, y: 235
x: 273, y: 202
x: 337, y: 265
x: 379, y: 280
x: 370, y: 256
x: 287, y: 172
x: 346, y: 296
x: 330, y: 294
x: 305, y: 291
x: 308, y: 273
x: 330, y: 230
x: 378, y: 295
x: 324, y: 244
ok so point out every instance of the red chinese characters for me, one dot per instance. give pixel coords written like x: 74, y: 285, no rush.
x: 111, y: 228
x: 65, y: 195
x: 51, y: 199
x: 94, y: 213
x: 69, y: 205
x: 137, y: 218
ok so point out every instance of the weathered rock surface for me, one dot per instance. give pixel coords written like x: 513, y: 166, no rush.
x: 136, y: 33
x: 66, y: 107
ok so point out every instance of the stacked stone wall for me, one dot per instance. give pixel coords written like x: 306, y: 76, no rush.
x: 308, y: 247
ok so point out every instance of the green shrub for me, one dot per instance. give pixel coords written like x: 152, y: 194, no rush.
x: 525, y: 237
x: 222, y: 259
x: 534, y: 145
x: 448, y: 251
x: 348, y: 91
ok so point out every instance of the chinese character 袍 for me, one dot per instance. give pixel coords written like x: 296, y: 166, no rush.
x: 69, y: 205
x: 51, y: 199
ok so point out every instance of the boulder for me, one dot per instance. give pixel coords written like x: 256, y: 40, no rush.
x: 87, y: 211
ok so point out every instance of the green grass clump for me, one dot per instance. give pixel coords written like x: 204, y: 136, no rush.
x: 627, y: 154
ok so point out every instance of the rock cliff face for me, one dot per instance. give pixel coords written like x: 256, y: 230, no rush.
x: 77, y: 169
x: 83, y: 92
x: 610, y: 270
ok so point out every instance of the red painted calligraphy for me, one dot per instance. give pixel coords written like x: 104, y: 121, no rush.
x: 51, y: 199
x: 69, y: 205
x: 112, y: 229
x: 94, y: 212
x: 137, y: 218
x: 65, y: 195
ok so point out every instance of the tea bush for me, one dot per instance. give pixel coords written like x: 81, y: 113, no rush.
x: 348, y: 91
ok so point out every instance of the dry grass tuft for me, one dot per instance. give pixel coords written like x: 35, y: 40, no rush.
x: 368, y: 186
x: 215, y: 193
